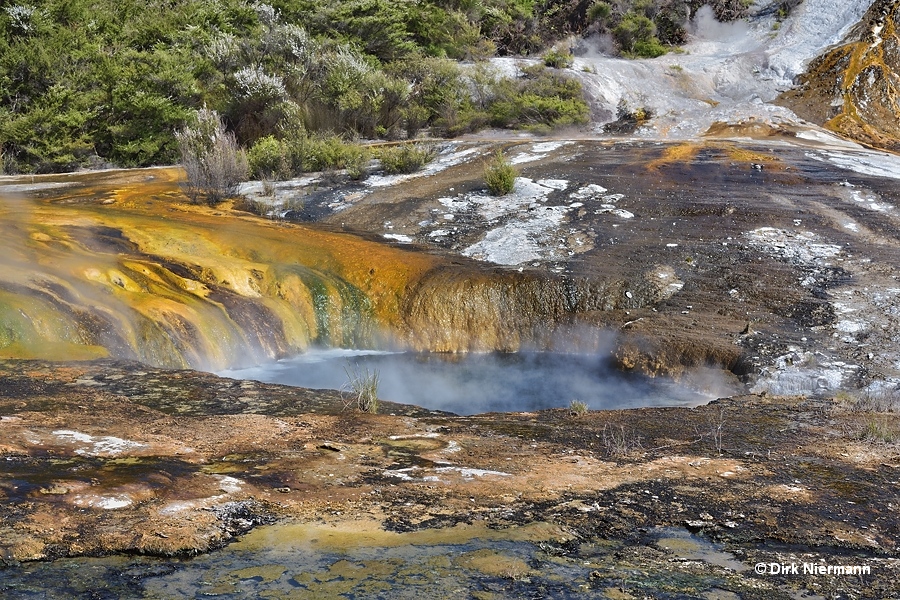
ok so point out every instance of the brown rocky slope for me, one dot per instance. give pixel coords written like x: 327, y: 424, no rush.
x: 852, y: 89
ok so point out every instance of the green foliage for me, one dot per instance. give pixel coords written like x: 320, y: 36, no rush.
x: 558, y: 59
x: 670, y: 24
x: 599, y: 11
x: 631, y: 29
x: 51, y: 137
x: 89, y: 82
x: 648, y: 48
x: 405, y: 158
x: 274, y: 159
x: 322, y: 152
x: 269, y: 159
x: 379, y: 26
x: 541, y: 98
x: 439, y: 97
x: 500, y: 175
x: 448, y: 32
x: 643, y: 28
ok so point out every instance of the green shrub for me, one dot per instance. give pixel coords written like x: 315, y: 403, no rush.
x: 269, y: 159
x: 633, y: 28
x: 670, y: 24
x: 558, y: 59
x: 599, y: 11
x: 541, y: 97
x: 405, y: 158
x: 648, y: 48
x: 500, y: 176
x: 439, y: 95
x: 331, y: 152
x: 356, y: 161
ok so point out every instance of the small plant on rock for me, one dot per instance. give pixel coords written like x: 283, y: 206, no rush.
x: 578, y: 408
x: 500, y: 176
x: 361, y: 389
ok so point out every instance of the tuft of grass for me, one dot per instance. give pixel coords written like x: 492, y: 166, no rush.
x: 406, y: 158
x: 500, y: 175
x: 578, y: 408
x: 361, y: 389
x: 872, y: 400
x: 882, y: 401
x: 878, y: 430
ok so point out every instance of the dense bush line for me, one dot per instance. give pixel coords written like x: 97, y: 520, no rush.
x: 97, y: 82
x: 86, y: 83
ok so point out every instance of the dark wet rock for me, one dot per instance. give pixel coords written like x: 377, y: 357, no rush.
x: 240, y: 517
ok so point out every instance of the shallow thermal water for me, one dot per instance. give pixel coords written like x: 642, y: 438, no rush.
x: 477, y: 383
x: 318, y: 561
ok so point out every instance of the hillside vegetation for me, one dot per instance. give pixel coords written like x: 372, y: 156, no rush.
x: 108, y: 82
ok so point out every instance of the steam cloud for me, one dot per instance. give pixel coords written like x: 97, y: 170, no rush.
x: 478, y: 383
x: 705, y: 26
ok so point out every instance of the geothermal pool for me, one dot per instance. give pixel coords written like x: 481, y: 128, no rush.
x: 299, y: 560
x: 468, y: 384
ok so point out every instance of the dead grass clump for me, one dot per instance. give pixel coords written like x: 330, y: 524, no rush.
x: 749, y: 156
x: 872, y: 400
x: 619, y: 441
x: 361, y: 389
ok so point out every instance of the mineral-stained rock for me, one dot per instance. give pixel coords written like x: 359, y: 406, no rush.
x: 763, y: 476
x: 854, y: 88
